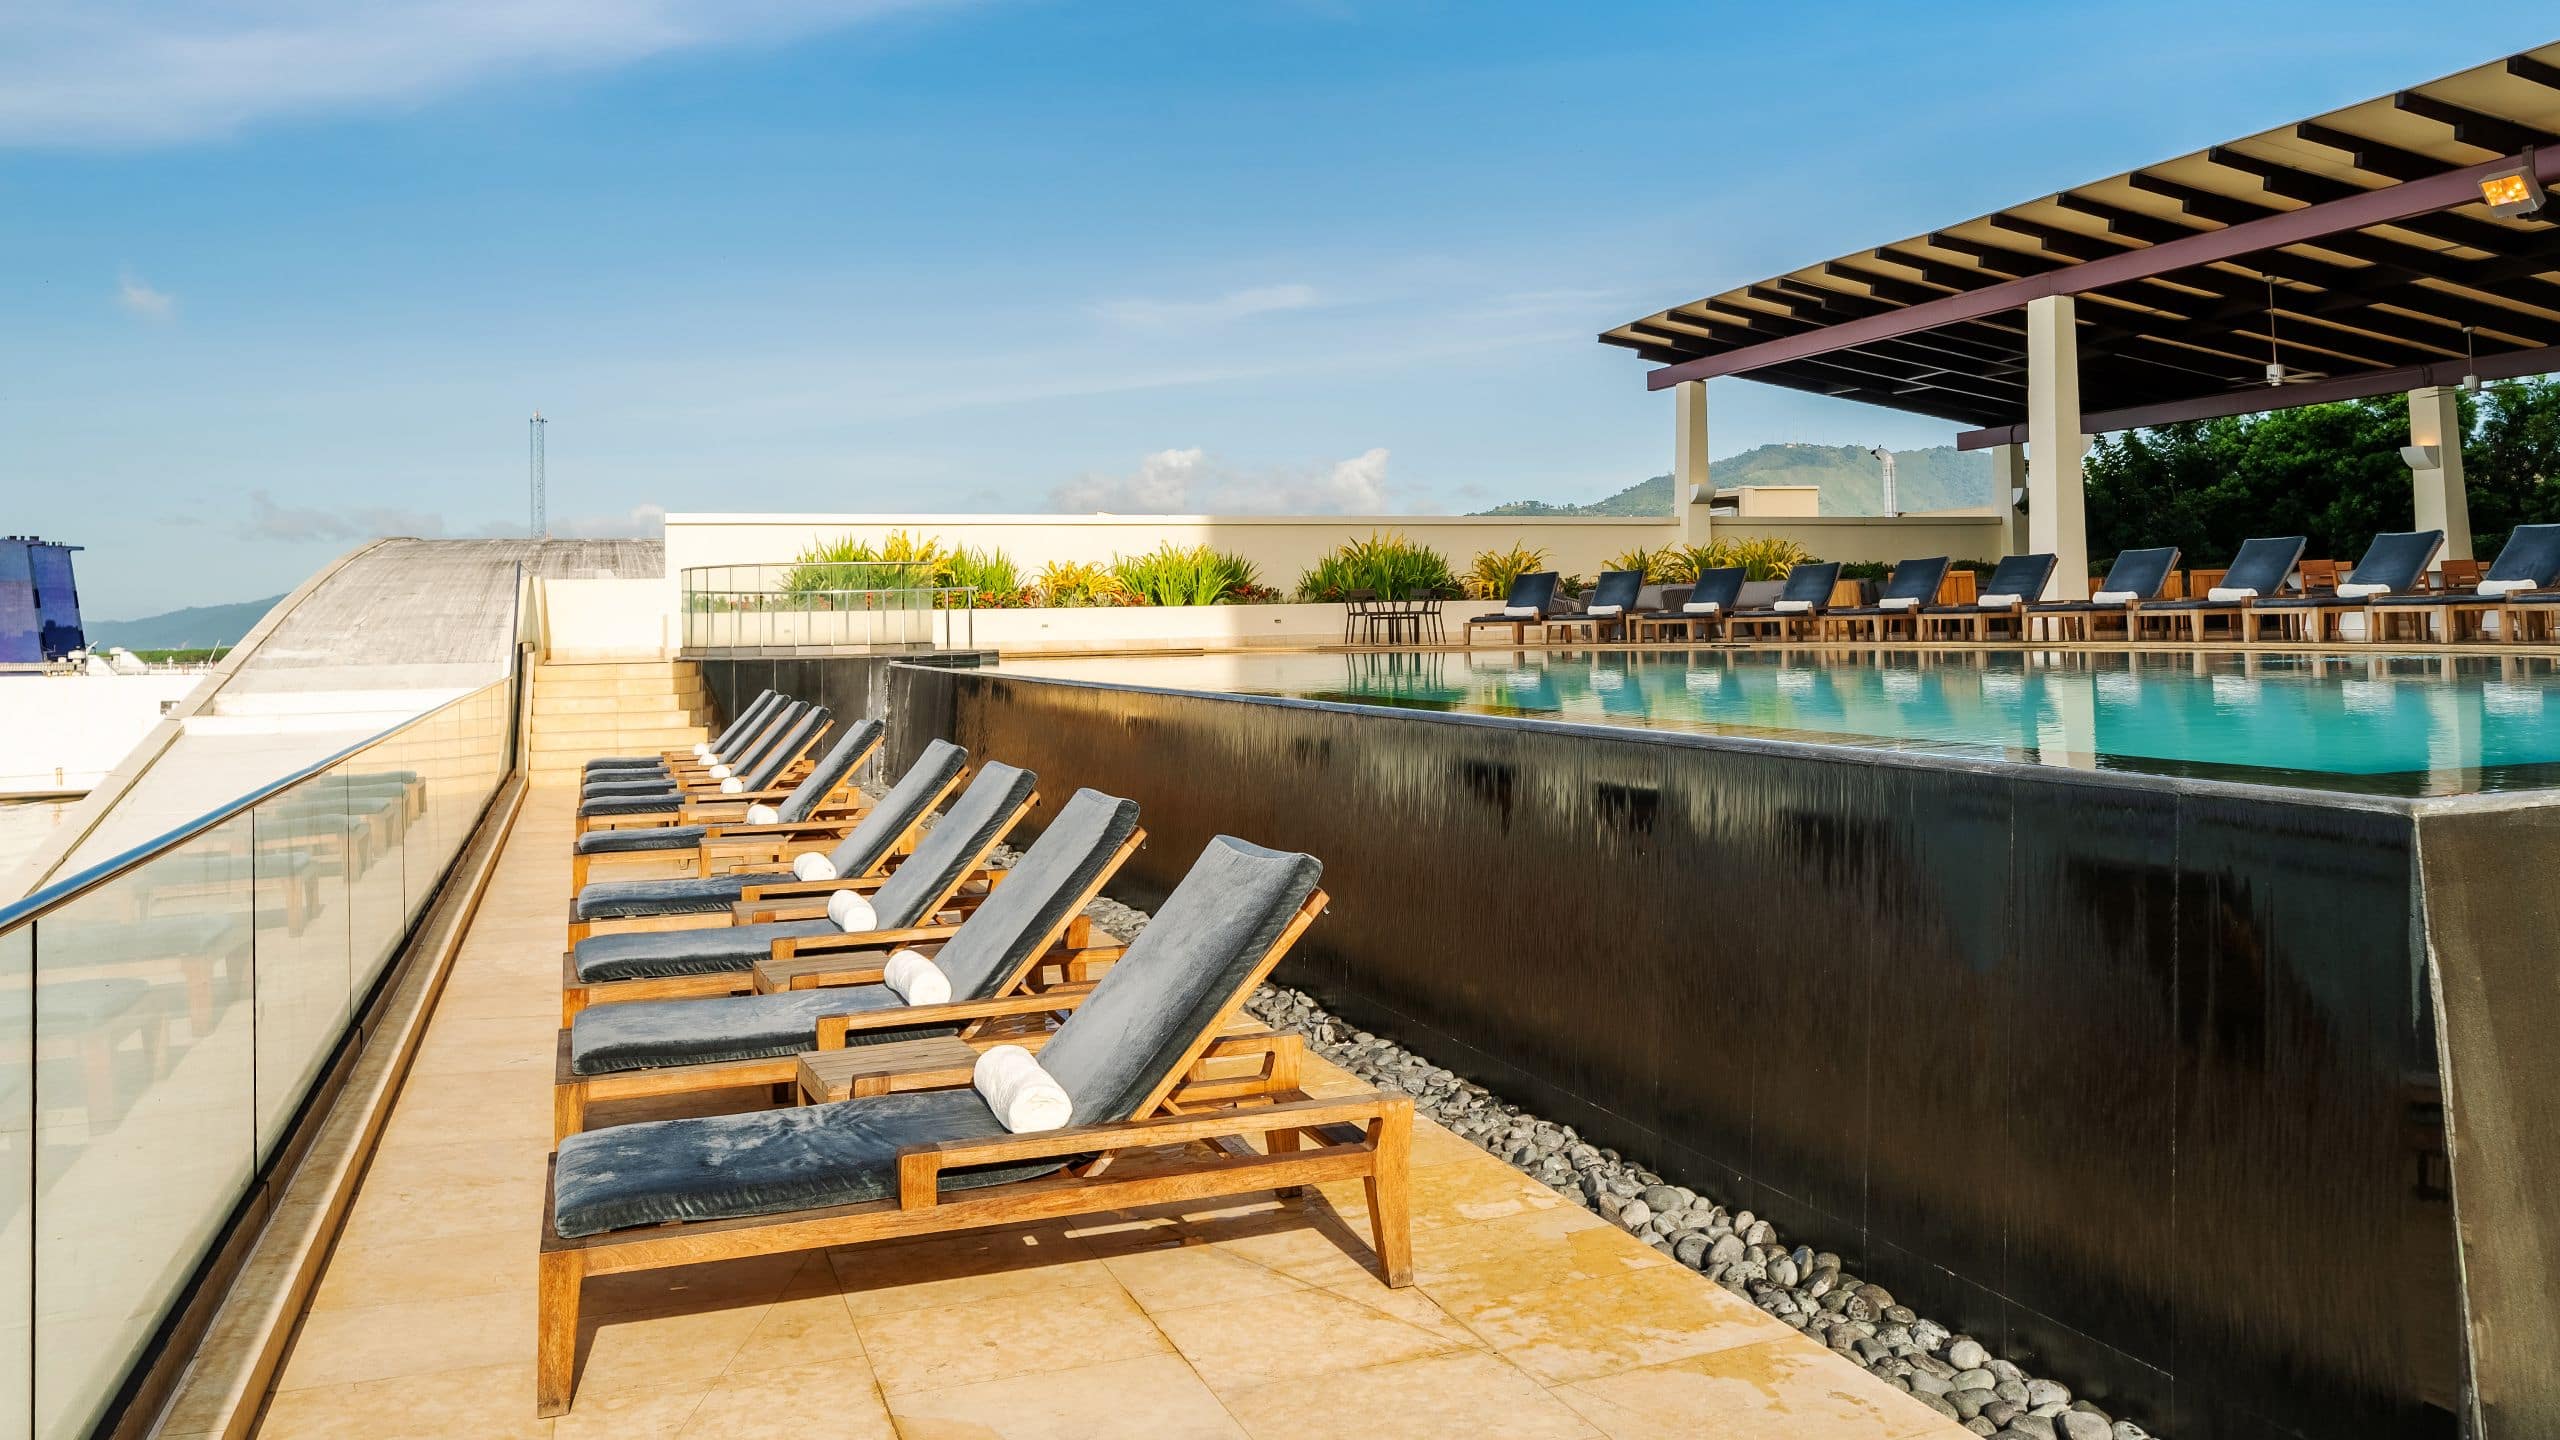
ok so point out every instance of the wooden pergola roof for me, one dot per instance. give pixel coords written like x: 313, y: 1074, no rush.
x: 2358, y: 239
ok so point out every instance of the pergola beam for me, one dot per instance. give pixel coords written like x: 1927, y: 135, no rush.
x: 2383, y: 206
x: 2513, y: 364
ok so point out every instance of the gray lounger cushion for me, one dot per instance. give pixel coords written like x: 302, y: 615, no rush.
x: 803, y: 799
x: 1911, y: 580
x: 661, y: 954
x: 755, y: 767
x: 653, y: 803
x: 641, y: 838
x: 985, y: 956
x: 864, y: 847
x: 2262, y: 564
x: 654, y: 1034
x: 762, y: 1163
x: 1144, y: 1013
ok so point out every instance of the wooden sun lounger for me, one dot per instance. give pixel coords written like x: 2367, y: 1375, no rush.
x: 1068, y: 948
x: 1205, y: 1153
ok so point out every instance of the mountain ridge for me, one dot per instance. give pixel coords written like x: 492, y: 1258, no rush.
x: 1939, y: 477
x: 195, y: 626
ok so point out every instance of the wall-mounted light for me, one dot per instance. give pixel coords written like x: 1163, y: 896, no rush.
x: 2422, y: 457
x: 2513, y: 190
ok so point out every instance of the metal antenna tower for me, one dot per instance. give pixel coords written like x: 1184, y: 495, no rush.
x: 541, y: 512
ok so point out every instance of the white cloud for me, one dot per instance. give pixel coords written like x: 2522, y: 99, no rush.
x: 140, y: 299
x: 85, y: 72
x: 641, y: 522
x: 1156, y: 314
x: 1188, y: 482
x: 268, y: 520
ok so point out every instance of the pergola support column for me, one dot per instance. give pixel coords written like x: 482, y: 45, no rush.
x: 2056, y: 510
x: 1692, y: 493
x: 2435, y: 467
x: 2008, y: 478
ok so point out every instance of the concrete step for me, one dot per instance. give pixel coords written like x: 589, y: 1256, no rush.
x: 611, y: 722
x: 616, y: 669
x: 546, y: 704
x: 608, y: 689
x: 617, y: 742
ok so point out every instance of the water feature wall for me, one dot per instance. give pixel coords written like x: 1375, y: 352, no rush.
x: 2133, y: 1078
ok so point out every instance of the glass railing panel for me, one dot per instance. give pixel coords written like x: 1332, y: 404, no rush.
x: 310, y: 841
x: 17, y: 1182
x: 144, y: 1050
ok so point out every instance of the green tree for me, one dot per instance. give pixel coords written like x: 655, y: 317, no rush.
x: 2330, y: 472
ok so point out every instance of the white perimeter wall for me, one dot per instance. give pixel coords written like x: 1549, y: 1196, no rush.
x: 1282, y: 546
x: 63, y: 733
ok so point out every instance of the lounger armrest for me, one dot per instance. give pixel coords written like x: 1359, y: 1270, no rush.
x: 808, y: 889
x: 884, y: 941
x: 833, y: 1028
x: 920, y: 1167
x: 778, y: 830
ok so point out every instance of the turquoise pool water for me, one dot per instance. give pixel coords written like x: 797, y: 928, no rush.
x: 2390, y: 724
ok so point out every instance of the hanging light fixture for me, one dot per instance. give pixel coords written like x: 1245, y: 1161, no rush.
x: 2513, y: 190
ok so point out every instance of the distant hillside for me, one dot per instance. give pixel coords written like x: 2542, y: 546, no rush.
x: 195, y: 626
x: 1939, y: 478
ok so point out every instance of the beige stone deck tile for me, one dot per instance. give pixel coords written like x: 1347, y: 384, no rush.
x: 914, y: 1350
x: 440, y: 1267
x: 490, y: 1400
x: 1787, y: 1389
x: 666, y: 1349
x: 419, y: 1337
x: 1529, y: 1251
x: 1456, y: 1395
x: 1175, y: 1276
x: 802, y: 1331
x: 961, y: 1269
x: 1585, y: 1328
x: 423, y: 1322
x: 837, y: 1401
x: 627, y: 1414
x: 1154, y: 1398
x: 1238, y: 1345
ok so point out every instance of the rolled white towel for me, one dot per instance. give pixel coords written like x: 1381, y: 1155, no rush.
x: 2495, y: 588
x: 2114, y: 597
x: 733, y: 786
x: 1898, y: 602
x: 701, y: 749
x: 762, y: 815
x: 1793, y: 607
x: 1995, y: 602
x: 1604, y: 610
x: 813, y: 865
x: 1702, y: 607
x: 1520, y: 612
x: 2225, y: 594
x: 916, y: 978
x: 2350, y: 590
x: 1024, y: 1096
x: 719, y: 772
x: 852, y: 912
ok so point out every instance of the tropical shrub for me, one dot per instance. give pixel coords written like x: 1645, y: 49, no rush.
x: 1658, y: 565
x: 1389, y: 566
x: 1173, y: 574
x: 1079, y: 583
x: 1767, y: 558
x: 989, y: 571
x: 901, y: 562
x: 1490, y: 575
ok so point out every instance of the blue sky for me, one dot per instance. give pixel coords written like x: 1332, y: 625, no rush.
x: 280, y: 274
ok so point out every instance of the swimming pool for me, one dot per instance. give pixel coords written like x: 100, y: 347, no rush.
x: 2387, y: 724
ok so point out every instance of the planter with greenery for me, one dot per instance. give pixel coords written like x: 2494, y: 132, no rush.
x: 1387, y: 566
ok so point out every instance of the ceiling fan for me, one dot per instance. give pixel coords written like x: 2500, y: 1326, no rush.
x: 2278, y: 373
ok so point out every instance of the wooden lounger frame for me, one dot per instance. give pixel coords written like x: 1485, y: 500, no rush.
x: 1307, y: 1141
x: 693, y: 785
x: 1066, y: 946
x: 905, y: 843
